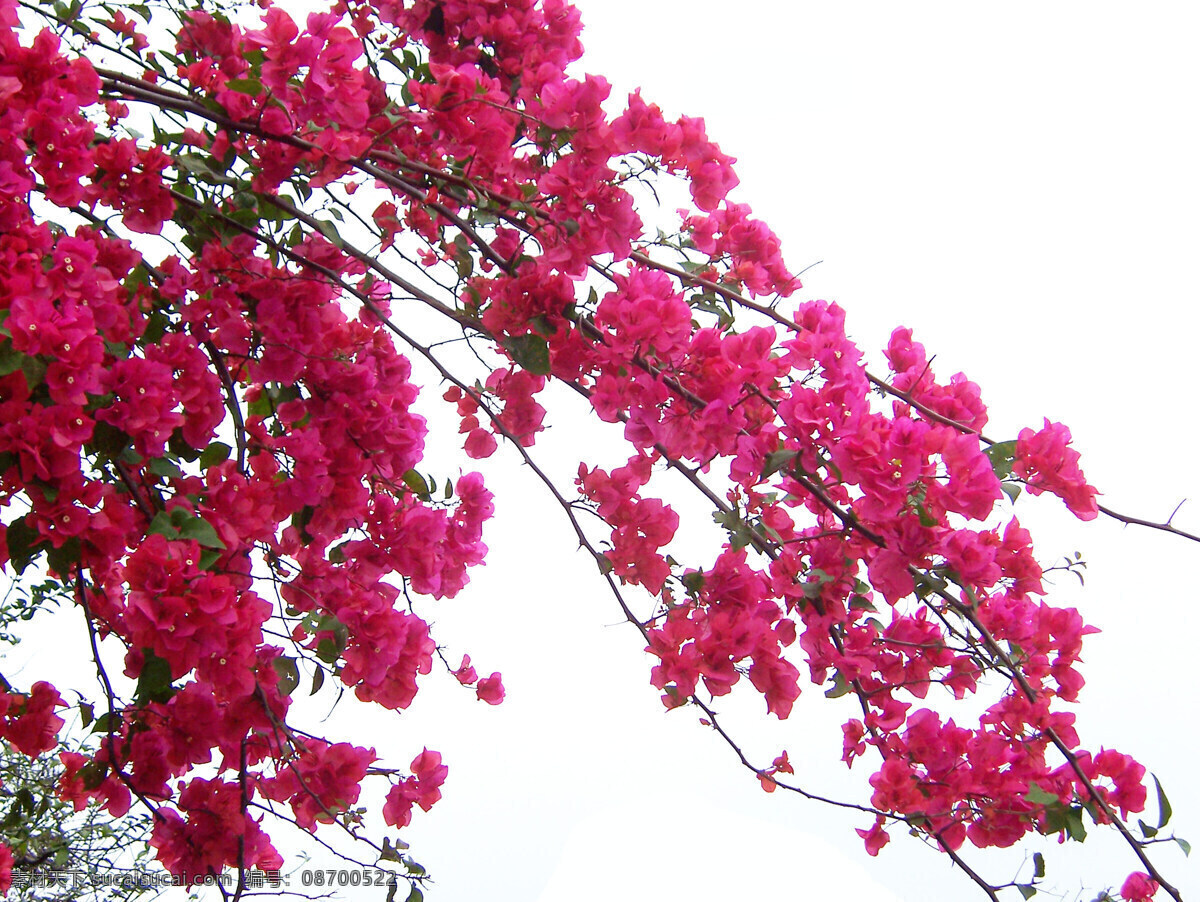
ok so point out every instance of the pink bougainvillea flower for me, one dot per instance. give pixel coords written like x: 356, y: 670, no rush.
x: 1138, y: 887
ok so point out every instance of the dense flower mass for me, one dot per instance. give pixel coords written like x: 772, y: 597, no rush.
x: 210, y: 438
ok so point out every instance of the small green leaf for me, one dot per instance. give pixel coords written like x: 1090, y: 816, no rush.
x: 161, y: 525
x: 24, y: 798
x: 214, y: 454
x: 1039, y: 865
x: 162, y: 466
x: 108, y: 722
x: 300, y: 521
x: 318, y: 681
x: 109, y: 441
x: 1027, y: 890
x: 840, y: 687
x: 87, y: 713
x: 1164, y: 807
x: 92, y: 775
x: 415, y: 894
x: 530, y: 352
x: 389, y: 852
x: 154, y: 682
x: 1012, y: 490
x: 416, y: 482
x: 63, y: 559
x: 24, y: 544
x: 34, y: 370
x: 202, y: 531
x: 1002, y: 455
x: 1183, y: 844
x: 10, y: 358
x: 414, y: 868
x: 1147, y: 830
x: 289, y: 675
x: 327, y: 650
x: 250, y: 86
x: 777, y: 460
x: 1039, y: 796
x: 1075, y: 828
x: 329, y: 230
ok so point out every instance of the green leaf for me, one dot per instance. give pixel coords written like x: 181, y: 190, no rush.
x: 251, y: 86
x: 92, y: 775
x: 1183, y: 844
x: 1075, y: 828
x: 162, y: 466
x: 530, y: 352
x: 289, y: 674
x: 1002, y: 455
x: 10, y: 358
x: 389, y: 852
x: 415, y: 894
x: 414, y: 868
x: 214, y: 454
x: 1164, y: 807
x: 464, y: 262
x: 204, y: 167
x: 329, y: 230
x: 1012, y: 490
x: 318, y: 681
x: 840, y: 687
x: 202, y: 531
x: 161, y: 525
x: 87, y: 713
x: 416, y: 482
x: 109, y: 441
x: 34, y: 370
x: 24, y: 544
x: 777, y: 460
x: 301, y: 519
x: 327, y: 650
x: 1027, y: 890
x: 1039, y: 865
x: 925, y: 518
x: 62, y: 560
x: 1039, y: 796
x: 1147, y: 830
x: 108, y: 722
x: 154, y: 682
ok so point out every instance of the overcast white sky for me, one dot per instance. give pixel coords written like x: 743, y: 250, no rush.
x: 1018, y: 184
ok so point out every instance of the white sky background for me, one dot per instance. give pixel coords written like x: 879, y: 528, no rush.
x: 1016, y: 183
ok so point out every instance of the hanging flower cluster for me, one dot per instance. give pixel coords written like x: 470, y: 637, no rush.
x: 209, y: 437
